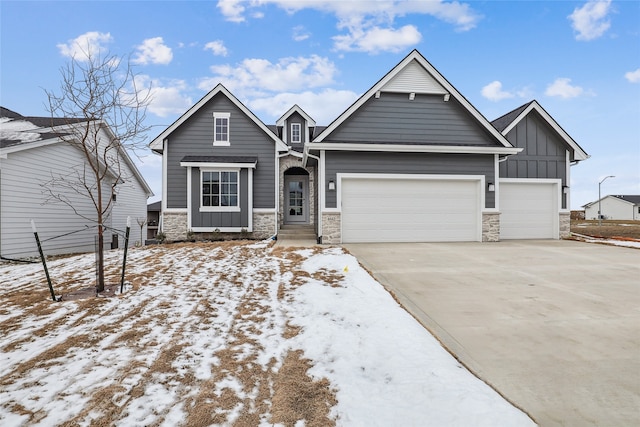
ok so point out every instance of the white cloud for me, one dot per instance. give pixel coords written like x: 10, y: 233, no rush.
x: 153, y: 51
x: 590, y: 21
x: 562, y: 87
x: 166, y: 98
x: 217, y: 47
x: 633, y: 76
x: 367, y: 21
x: 300, y: 33
x: 323, y: 106
x: 378, y: 39
x: 493, y: 92
x: 86, y: 45
x: 260, y: 75
x: 232, y: 10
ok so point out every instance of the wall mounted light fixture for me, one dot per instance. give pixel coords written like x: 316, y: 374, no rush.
x: 332, y: 185
x: 491, y: 186
x: 565, y: 189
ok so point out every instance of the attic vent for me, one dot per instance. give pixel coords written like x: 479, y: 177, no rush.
x: 414, y: 78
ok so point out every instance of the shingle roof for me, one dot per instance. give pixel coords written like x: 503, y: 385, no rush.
x: 502, y: 122
x: 40, y: 125
x: 155, y: 206
x: 629, y: 198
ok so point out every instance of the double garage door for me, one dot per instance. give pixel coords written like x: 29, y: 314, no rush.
x: 529, y: 210
x: 392, y: 209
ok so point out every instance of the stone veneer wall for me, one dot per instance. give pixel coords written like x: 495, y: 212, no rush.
x: 331, y: 228
x: 288, y: 162
x: 264, y: 225
x: 174, y: 225
x: 565, y: 225
x: 491, y: 227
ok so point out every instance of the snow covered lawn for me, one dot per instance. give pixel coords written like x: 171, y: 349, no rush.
x: 227, y: 334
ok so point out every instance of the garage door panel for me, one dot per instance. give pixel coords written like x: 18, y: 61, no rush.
x: 409, y: 210
x: 528, y: 210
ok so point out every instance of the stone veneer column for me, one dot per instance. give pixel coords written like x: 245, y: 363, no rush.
x: 174, y: 225
x: 491, y: 227
x: 331, y: 228
x: 264, y: 225
x: 565, y: 225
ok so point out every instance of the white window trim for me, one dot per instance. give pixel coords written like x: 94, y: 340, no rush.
x: 217, y: 142
x: 299, y: 133
x: 219, y: 208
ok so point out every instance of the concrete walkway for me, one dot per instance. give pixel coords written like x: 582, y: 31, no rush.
x: 553, y: 325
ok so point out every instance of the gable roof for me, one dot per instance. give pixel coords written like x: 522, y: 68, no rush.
x: 296, y: 109
x: 157, y: 143
x: 416, y: 72
x: 32, y: 132
x: 633, y: 199
x: 510, y: 120
x: 21, y: 132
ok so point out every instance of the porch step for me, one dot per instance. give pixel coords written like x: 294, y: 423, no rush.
x: 297, y: 232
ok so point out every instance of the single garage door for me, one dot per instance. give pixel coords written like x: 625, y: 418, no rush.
x: 528, y: 210
x: 410, y: 210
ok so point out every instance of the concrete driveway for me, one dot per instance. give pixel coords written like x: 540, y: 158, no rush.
x: 553, y: 325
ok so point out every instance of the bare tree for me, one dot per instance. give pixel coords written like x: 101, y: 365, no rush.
x: 100, y: 111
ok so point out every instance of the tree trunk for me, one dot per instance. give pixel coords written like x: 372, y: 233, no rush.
x: 100, y: 284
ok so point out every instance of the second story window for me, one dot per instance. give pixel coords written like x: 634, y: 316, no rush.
x: 295, y: 133
x: 221, y: 128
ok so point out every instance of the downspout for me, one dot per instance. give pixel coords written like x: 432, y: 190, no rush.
x: 320, y: 195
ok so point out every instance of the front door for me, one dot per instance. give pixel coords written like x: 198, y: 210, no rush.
x: 296, y: 201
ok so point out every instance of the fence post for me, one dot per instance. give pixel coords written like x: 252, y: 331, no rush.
x: 44, y: 262
x: 124, y: 258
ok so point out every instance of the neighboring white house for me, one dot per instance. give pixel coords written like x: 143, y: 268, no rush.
x: 614, y: 207
x: 31, y: 155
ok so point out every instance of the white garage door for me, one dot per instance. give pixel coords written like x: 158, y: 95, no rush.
x: 528, y: 210
x: 410, y: 210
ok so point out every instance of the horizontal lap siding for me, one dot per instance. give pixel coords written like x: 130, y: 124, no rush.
x: 195, y: 138
x: 408, y: 163
x: 393, y: 118
x: 23, y: 196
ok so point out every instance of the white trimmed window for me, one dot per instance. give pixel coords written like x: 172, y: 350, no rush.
x: 295, y: 133
x: 219, y: 190
x: 221, y: 128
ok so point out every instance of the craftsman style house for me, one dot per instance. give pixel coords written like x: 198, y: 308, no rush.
x: 410, y: 161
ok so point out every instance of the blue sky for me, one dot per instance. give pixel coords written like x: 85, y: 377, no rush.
x: 579, y: 59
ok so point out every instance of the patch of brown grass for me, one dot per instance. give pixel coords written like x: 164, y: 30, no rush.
x: 608, y: 229
x: 297, y: 396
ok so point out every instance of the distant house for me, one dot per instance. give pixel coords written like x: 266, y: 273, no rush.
x: 31, y: 154
x: 614, y: 207
x: 412, y: 160
x: 153, y: 219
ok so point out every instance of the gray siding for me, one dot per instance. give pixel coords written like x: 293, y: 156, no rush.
x: 296, y: 118
x: 544, y: 154
x: 195, y: 137
x: 219, y: 219
x: 409, y: 163
x: 393, y: 118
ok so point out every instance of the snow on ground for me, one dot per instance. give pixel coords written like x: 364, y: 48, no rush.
x: 613, y: 242
x: 227, y: 334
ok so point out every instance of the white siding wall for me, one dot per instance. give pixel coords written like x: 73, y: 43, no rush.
x: 23, y: 194
x: 613, y: 208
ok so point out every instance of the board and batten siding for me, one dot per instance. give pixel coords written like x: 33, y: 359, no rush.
x: 428, y: 119
x: 195, y: 138
x: 24, y: 174
x: 219, y: 219
x: 408, y: 163
x: 544, y: 155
